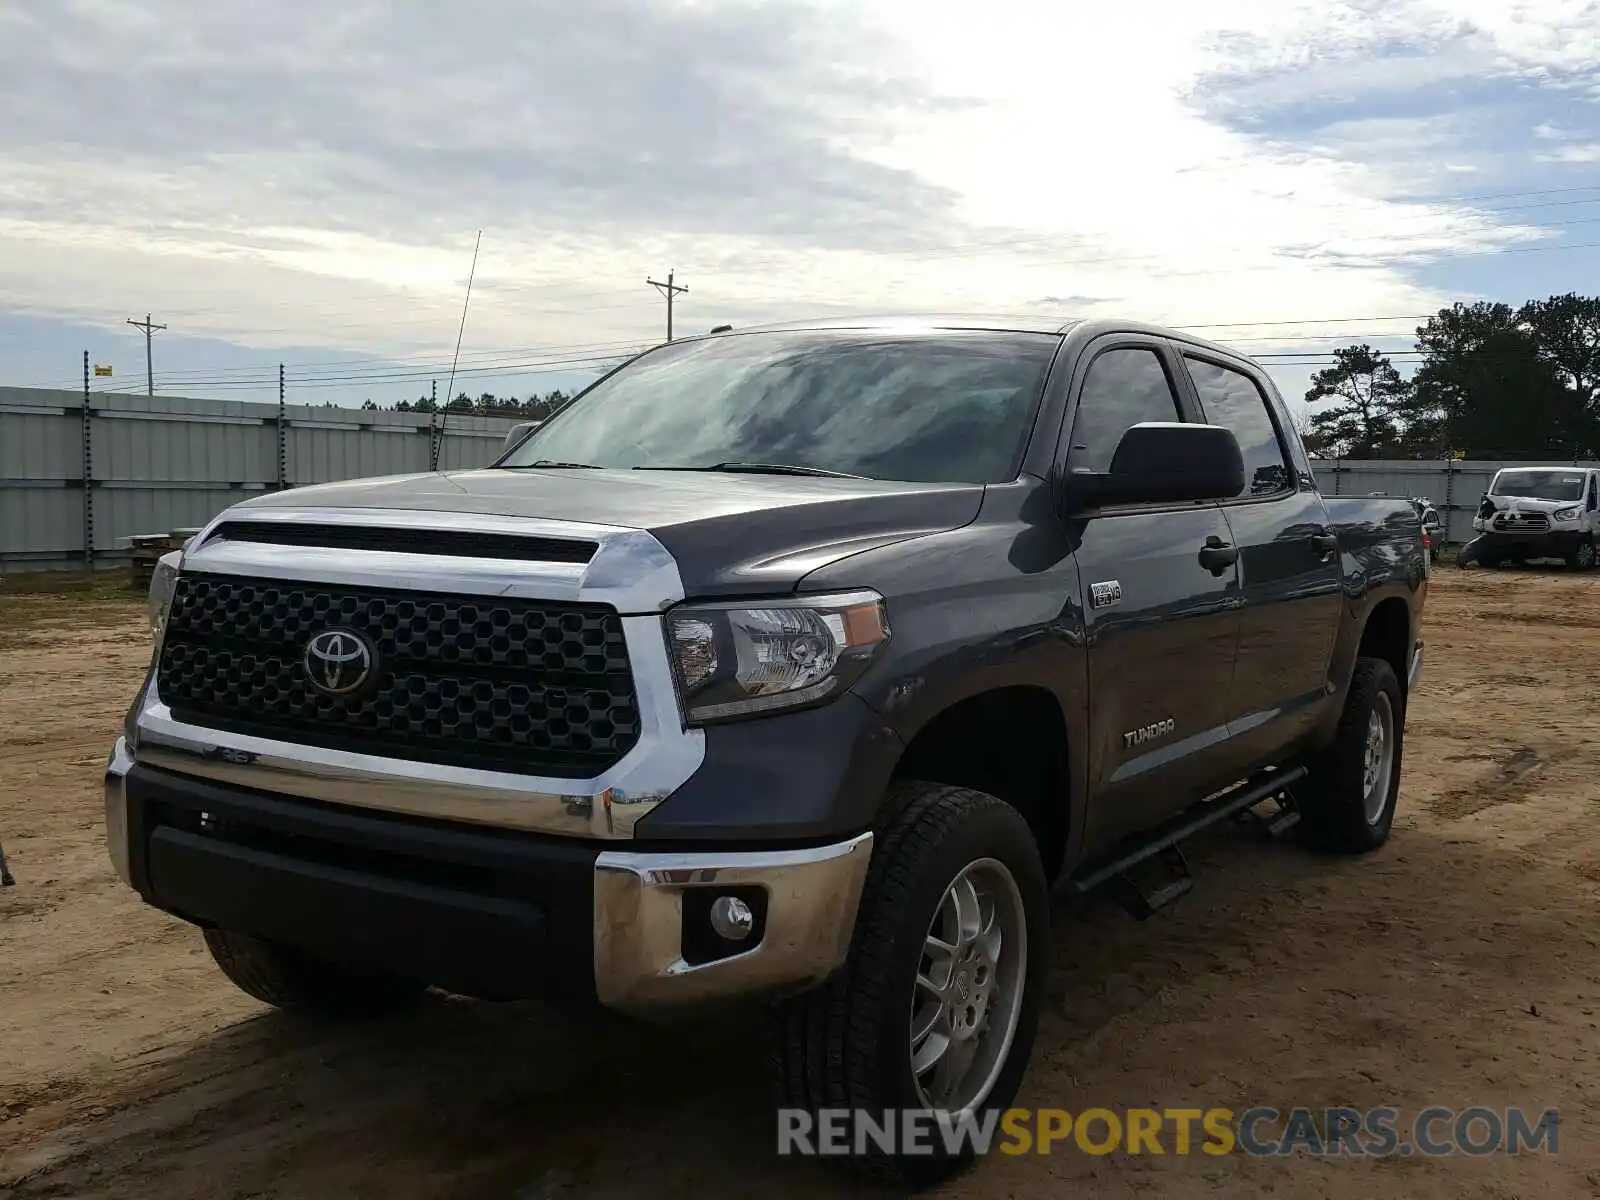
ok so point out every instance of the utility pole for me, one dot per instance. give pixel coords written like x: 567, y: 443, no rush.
x: 669, y: 290
x: 149, y: 367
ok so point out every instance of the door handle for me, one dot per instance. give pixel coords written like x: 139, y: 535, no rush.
x: 1217, y: 555
x: 1324, y: 543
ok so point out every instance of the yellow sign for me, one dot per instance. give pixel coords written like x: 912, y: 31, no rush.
x: 99, y: 370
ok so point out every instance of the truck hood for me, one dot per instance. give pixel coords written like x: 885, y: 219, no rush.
x: 729, y: 533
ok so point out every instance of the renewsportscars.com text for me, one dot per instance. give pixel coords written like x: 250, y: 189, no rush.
x: 1260, y: 1132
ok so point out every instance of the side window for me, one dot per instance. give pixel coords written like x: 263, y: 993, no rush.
x: 1231, y: 399
x: 1123, y: 388
x: 1591, y: 504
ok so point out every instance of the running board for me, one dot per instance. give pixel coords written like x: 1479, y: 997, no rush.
x: 1277, y: 824
x: 1164, y: 839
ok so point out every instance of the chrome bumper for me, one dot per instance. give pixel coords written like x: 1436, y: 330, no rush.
x: 812, y: 896
x: 117, y: 809
x: 639, y: 967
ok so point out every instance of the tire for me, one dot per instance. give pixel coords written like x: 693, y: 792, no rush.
x: 1344, y: 809
x: 291, y: 979
x: 848, y: 1044
x: 1582, y: 558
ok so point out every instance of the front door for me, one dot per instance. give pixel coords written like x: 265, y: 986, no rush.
x: 1161, y: 622
x: 1289, y: 573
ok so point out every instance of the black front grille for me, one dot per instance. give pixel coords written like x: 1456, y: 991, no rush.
x: 519, y: 685
x: 1522, y: 522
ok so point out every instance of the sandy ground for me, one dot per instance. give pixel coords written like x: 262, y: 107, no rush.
x: 1458, y: 966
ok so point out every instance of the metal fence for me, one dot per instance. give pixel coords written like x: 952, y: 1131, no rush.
x: 1455, y: 487
x: 76, y: 484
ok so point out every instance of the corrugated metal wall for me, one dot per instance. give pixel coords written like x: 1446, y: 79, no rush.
x: 161, y: 463
x: 1454, y: 487
x: 166, y: 462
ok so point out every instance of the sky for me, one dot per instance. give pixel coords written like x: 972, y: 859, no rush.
x: 304, y: 183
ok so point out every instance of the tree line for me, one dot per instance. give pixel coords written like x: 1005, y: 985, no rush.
x: 1492, y: 381
x: 534, y: 408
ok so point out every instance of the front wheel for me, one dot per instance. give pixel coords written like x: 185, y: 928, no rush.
x: 1582, y: 556
x: 1347, y: 804
x: 936, y: 1007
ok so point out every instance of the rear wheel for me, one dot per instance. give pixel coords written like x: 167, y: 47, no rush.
x: 1347, y: 804
x: 288, y: 978
x: 938, y: 1001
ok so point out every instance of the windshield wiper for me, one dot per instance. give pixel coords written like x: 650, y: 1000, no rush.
x: 749, y: 468
x: 550, y: 462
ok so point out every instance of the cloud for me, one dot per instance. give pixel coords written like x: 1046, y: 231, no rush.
x: 307, y: 174
x: 1070, y: 304
x: 1586, y: 153
x: 1575, y: 150
x: 389, y: 120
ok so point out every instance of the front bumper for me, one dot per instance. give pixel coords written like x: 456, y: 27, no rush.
x: 500, y: 914
x: 1551, y: 543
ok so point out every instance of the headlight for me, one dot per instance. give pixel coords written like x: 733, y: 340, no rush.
x: 1566, y: 514
x: 740, y: 659
x: 162, y: 582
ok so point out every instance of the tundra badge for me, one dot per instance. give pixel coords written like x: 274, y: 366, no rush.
x: 1104, y: 595
x: 1138, y: 737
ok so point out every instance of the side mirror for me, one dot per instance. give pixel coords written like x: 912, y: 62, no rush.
x: 1163, y: 462
x: 517, y: 432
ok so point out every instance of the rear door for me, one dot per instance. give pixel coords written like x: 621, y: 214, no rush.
x: 1289, y: 572
x: 1160, y: 590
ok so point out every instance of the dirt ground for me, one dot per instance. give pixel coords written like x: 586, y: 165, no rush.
x: 1459, y: 966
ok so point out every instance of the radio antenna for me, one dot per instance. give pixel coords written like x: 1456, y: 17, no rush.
x: 438, y: 442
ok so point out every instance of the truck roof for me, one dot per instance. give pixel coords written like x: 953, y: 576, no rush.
x: 999, y: 323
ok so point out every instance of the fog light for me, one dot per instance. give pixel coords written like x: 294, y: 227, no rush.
x: 731, y: 918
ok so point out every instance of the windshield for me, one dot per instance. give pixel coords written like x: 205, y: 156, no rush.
x: 941, y: 407
x: 1539, y: 485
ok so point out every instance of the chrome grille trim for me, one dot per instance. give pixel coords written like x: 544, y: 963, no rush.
x: 631, y: 571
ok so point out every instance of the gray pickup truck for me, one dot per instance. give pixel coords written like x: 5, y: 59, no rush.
x: 791, y: 666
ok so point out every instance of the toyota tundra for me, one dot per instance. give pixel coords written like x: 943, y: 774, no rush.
x: 790, y: 666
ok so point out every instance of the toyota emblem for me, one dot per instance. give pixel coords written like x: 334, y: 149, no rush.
x: 339, y: 661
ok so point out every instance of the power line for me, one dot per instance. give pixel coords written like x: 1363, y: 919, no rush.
x: 537, y: 367
x: 149, y: 362
x: 669, y: 290
x: 397, y: 362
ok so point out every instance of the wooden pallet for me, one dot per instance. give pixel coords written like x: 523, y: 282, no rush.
x: 148, y: 549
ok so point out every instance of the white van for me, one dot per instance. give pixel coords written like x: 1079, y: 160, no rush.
x: 1538, y: 512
